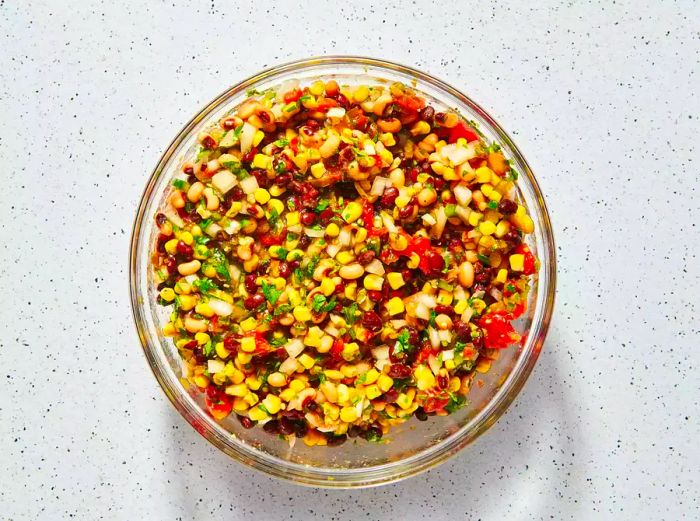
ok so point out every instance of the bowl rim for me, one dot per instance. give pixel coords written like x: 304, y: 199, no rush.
x: 398, y: 469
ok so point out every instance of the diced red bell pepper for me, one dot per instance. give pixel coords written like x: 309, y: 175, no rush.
x: 220, y: 409
x: 292, y: 95
x: 462, y: 129
x: 529, y: 258
x: 435, y: 404
x: 498, y: 330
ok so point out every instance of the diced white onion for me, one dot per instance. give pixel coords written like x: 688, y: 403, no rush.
x: 425, y: 299
x: 249, y: 184
x: 221, y: 307
x: 448, y: 355
x: 345, y: 237
x: 314, y: 233
x: 289, y: 366
x: 379, y: 185
x: 434, y: 337
x: 370, y: 150
x: 456, y: 154
x: 380, y: 364
x: 287, y: 86
x: 333, y: 250
x: 398, y: 324
x: 445, y: 335
x: 496, y: 294
x: 295, y: 228
x: 223, y: 181
x: 428, y: 219
x: 335, y: 112
x: 467, y: 315
x: 434, y: 364
x: 462, y: 194
x: 294, y: 347
x: 422, y: 311
x: 174, y: 218
x: 463, y: 213
x: 380, y: 353
x: 332, y: 331
x: 441, y: 218
x: 191, y: 278
x: 213, y: 229
x: 388, y: 221
x: 247, y: 136
x: 376, y: 267
x: 215, y: 366
x: 233, y: 227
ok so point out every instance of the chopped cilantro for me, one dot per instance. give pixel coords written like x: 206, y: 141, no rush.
x: 361, y: 379
x: 457, y: 401
x: 263, y: 408
x: 277, y: 342
x: 272, y: 294
x: 322, y: 205
x: 305, y: 97
x: 321, y: 305
x: 220, y: 263
x: 205, y: 224
x: 459, y: 347
x: 321, y: 378
x: 291, y: 205
x: 350, y: 313
x: 431, y: 320
x: 404, y: 342
x: 202, y: 153
x: 205, y: 285
x: 511, y: 288
x: 274, y: 217
x: 512, y: 174
x: 180, y: 184
x: 493, y: 205
x: 298, y: 275
x: 284, y: 308
x: 280, y: 167
x: 484, y: 259
x: 281, y: 143
x: 201, y: 240
x: 290, y: 107
x: 209, y: 348
x: 311, y: 266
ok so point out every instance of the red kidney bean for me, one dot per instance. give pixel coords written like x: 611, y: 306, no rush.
x: 399, y: 371
x: 366, y: 257
x: 208, y: 142
x: 161, y: 219
x: 286, y: 426
x: 245, y: 421
x: 284, y: 270
x: 333, y: 440
x: 231, y: 344
x: 375, y: 296
x: 435, y: 261
x: 171, y: 264
x: 391, y: 395
x: 272, y: 427
x: 250, y: 284
x: 301, y: 428
x: 283, y: 180
x: 307, y: 217
x: 462, y: 331
x: 406, y: 211
x: 199, y: 356
x: 389, y: 197
x: 420, y: 414
x: 513, y: 238
x: 214, y: 393
x: 184, y: 249
x: 325, y: 216
x: 254, y: 301
x: 446, y: 310
x: 427, y: 113
x: 372, y: 322
x: 261, y: 178
x: 248, y: 156
x: 188, y: 170
x: 507, y: 207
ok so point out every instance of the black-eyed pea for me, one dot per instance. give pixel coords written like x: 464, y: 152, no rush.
x: 392, y: 125
x: 212, y: 199
x: 466, y: 274
x: 188, y: 268
x: 194, y: 194
x: 176, y: 200
x: 194, y: 325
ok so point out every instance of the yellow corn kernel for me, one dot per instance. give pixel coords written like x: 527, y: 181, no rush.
x: 420, y: 128
x: 272, y: 403
x: 169, y: 329
x: 313, y: 338
x: 517, y: 262
x: 262, y: 161
x: 350, y: 351
x: 262, y: 196
x: 474, y: 218
x: 395, y: 306
x: 373, y: 282
x: 326, y: 344
x: 395, y: 280
x: 502, y: 275
x: 385, y: 382
x: 450, y: 364
x: 332, y: 230
x: 372, y: 391
x: 360, y: 235
x: 371, y: 376
x: 425, y: 379
x: 275, y: 205
x: 327, y: 287
x: 343, y: 393
x: 240, y: 405
x: 361, y: 93
x: 317, y: 88
x: 248, y: 324
x: 387, y: 139
x: 243, y: 358
x: 461, y: 306
x: 248, y: 344
x: 182, y: 287
x: 277, y: 379
x: 413, y: 262
x: 237, y: 390
x: 167, y: 294
x: 251, y: 399
x: 406, y: 399
x: 402, y: 200
x: 288, y: 395
x: 449, y: 174
x: 202, y: 338
x: 495, y: 195
x: 171, y: 246
x: 444, y: 297
x: 351, y: 212
x: 204, y: 309
x: 345, y: 257
x: 302, y: 313
x: 330, y: 411
x: 257, y: 414
x: 292, y: 218
x: 487, y: 242
x: 502, y: 228
x: 318, y: 169
x: 187, y: 238
x: 298, y: 384
x: 201, y: 381
x: 483, y: 174
x: 487, y: 228
x: 253, y: 382
x: 236, y: 376
x: 333, y: 374
x: 258, y: 137
x: 306, y: 361
x: 348, y: 414
x: 523, y: 223
x: 351, y: 291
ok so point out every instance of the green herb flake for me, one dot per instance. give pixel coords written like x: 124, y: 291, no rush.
x: 322, y: 205
x: 205, y: 285
x: 493, y: 205
x: 457, y: 401
x: 350, y: 313
x: 484, y: 259
x: 220, y: 263
x: 180, y: 184
x: 281, y: 143
x: 272, y: 294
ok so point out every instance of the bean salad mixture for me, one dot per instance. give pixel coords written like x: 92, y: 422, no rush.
x: 340, y: 258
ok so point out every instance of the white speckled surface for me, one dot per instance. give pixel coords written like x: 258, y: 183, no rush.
x: 602, y: 98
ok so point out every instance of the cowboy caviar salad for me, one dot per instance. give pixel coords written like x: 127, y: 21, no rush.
x: 341, y: 258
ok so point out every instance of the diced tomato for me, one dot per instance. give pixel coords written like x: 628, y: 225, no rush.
x: 220, y: 409
x: 498, y: 330
x: 271, y: 239
x: 435, y: 404
x: 462, y: 129
x: 410, y: 103
x: 292, y: 95
x: 425, y: 353
x: 325, y: 103
x: 294, y: 145
x: 529, y: 258
x: 337, y: 349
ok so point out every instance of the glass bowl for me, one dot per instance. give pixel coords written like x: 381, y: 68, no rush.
x: 413, y: 446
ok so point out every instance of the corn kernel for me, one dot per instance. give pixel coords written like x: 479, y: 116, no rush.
x: 361, y: 93
x: 330, y: 411
x: 420, y: 128
x: 257, y: 414
x: 371, y: 376
x: 202, y: 338
x: 317, y: 88
x: 171, y: 246
x: 373, y: 282
x: 387, y: 139
x: 395, y: 306
x: 474, y: 218
x: 348, y: 414
x: 350, y: 351
x: 352, y: 212
x: 450, y: 364
x: 372, y: 391
x: 517, y: 262
x: 237, y: 390
x: 251, y: 399
x: 483, y: 174
x: 318, y: 169
x: 243, y: 358
x: 345, y: 257
x: 524, y: 223
x: 487, y: 228
x: 262, y: 161
x: 288, y: 395
x: 262, y: 196
x: 327, y: 287
x: 169, y: 329
x: 248, y: 344
x: 461, y: 306
x: 333, y: 374
x: 277, y: 379
x: 343, y: 393
x: 258, y: 137
x: 502, y: 275
x: 204, y: 309
x: 275, y: 205
x: 502, y: 228
x: 253, y: 382
x: 237, y: 377
x: 302, y: 313
x: 444, y: 297
x: 167, y: 294
x: 297, y: 384
x: 332, y: 230
x: 385, y: 382
x: 395, y: 280
x: 425, y: 379
x: 248, y: 324
x: 406, y: 399
x: 292, y: 218
x: 272, y: 403
x: 240, y: 405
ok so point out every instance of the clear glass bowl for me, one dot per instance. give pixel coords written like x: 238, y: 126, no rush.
x: 414, y: 446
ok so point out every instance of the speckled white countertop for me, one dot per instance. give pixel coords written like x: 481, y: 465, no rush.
x: 602, y: 97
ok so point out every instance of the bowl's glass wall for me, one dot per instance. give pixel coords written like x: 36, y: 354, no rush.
x: 413, y: 446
